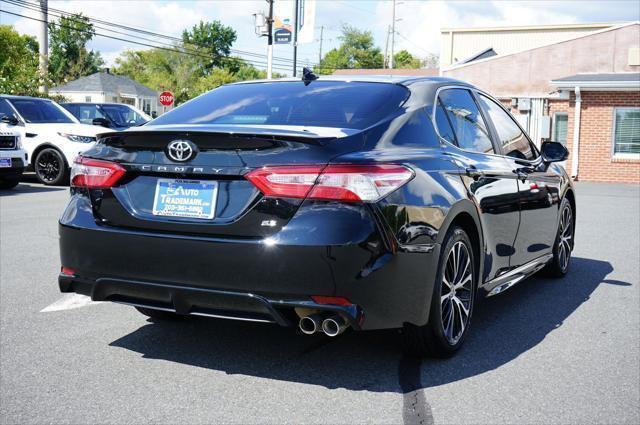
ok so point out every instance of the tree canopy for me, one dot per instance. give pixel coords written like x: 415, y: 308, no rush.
x: 211, y: 41
x: 404, y: 59
x: 199, y: 63
x: 357, y: 50
x: 18, y: 62
x: 69, y: 58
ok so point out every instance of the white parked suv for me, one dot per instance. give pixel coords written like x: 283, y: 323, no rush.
x: 12, y: 157
x: 51, y: 136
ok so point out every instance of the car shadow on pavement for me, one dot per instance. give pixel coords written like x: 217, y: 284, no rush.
x: 504, y: 327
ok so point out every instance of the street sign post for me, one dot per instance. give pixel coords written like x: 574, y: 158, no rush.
x: 166, y: 98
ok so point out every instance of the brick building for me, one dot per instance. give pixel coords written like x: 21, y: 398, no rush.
x: 583, y: 92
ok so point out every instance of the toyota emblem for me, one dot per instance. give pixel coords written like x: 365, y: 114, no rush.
x: 181, y: 150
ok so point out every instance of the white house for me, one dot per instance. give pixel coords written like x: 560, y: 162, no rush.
x: 104, y: 87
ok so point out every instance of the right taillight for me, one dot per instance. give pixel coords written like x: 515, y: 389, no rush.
x: 340, y: 182
x: 95, y: 173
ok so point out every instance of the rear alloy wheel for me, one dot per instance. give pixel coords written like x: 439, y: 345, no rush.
x: 51, y: 167
x: 564, y: 242
x: 451, y: 303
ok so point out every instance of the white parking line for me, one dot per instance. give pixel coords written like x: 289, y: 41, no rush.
x: 69, y: 302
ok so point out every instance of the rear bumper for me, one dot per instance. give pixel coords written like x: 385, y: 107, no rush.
x: 249, y: 279
x: 202, y: 302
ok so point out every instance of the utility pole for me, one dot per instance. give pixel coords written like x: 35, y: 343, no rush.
x: 270, y: 41
x: 320, y: 52
x: 43, y: 41
x: 295, y: 37
x: 385, y: 63
x: 393, y: 33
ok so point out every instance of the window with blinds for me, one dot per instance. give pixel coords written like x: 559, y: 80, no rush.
x: 626, y: 131
x: 560, y: 122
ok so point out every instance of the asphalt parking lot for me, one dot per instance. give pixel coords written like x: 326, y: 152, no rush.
x: 547, y: 351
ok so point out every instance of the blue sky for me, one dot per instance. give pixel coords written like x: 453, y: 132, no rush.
x: 418, y: 28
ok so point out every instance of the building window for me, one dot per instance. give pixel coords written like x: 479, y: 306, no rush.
x: 87, y: 98
x: 560, y: 123
x: 626, y: 132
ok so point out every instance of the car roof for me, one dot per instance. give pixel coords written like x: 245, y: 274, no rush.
x: 391, y: 79
x: 94, y: 103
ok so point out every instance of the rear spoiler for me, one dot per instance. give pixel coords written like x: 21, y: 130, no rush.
x: 205, y: 140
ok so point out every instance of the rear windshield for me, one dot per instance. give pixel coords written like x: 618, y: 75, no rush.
x: 40, y: 111
x: 322, y: 103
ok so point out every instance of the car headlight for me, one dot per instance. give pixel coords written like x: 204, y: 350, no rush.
x: 77, y: 138
x: 18, y: 142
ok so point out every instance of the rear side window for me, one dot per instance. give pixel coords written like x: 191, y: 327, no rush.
x: 354, y: 105
x: 513, y: 140
x: 468, y: 126
x: 444, y: 125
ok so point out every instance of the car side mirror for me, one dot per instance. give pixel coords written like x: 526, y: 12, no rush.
x: 102, y: 122
x: 553, y: 152
x: 10, y: 119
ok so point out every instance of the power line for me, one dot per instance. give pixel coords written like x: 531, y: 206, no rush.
x: 175, y: 50
x: 36, y: 7
x: 414, y: 44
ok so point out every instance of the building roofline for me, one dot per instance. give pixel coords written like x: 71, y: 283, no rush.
x: 589, y: 34
x: 532, y: 27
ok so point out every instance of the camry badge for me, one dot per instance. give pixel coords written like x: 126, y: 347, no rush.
x: 181, y: 150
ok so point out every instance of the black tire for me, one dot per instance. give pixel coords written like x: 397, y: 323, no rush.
x: 9, y: 183
x: 436, y: 338
x: 160, y: 314
x: 51, y: 168
x: 563, y: 245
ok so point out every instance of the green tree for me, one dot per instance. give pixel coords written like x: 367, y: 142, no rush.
x: 356, y: 51
x: 18, y: 62
x: 173, y: 71
x: 404, y: 59
x: 69, y: 58
x: 212, y: 41
x: 161, y: 70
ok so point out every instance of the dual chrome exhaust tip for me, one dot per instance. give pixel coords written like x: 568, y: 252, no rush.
x: 332, y: 325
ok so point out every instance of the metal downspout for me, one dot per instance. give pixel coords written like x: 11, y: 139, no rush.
x: 576, y: 134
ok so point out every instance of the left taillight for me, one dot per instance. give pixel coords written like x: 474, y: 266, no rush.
x: 95, y: 173
x: 339, y: 182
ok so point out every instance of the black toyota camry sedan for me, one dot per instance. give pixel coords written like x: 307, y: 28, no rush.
x: 325, y: 204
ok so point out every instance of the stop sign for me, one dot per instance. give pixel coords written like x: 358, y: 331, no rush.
x: 166, y: 98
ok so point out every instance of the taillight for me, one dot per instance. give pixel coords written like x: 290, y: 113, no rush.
x: 349, y: 183
x: 95, y: 173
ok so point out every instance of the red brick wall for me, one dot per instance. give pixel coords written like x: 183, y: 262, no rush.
x: 596, y: 121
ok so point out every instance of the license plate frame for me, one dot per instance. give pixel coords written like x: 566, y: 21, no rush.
x: 182, y: 198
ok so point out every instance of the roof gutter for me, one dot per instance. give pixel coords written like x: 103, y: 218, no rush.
x: 576, y: 133
x: 597, y: 85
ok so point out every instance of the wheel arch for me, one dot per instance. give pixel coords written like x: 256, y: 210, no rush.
x: 571, y: 197
x: 465, y: 215
x: 44, y: 146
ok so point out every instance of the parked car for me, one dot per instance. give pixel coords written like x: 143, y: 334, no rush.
x: 116, y: 116
x: 12, y: 157
x: 335, y: 203
x: 51, y: 136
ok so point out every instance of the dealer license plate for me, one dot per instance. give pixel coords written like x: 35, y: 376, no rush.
x: 185, y: 198
x: 5, y: 162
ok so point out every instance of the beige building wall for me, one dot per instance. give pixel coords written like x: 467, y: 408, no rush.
x: 462, y: 43
x: 529, y: 73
